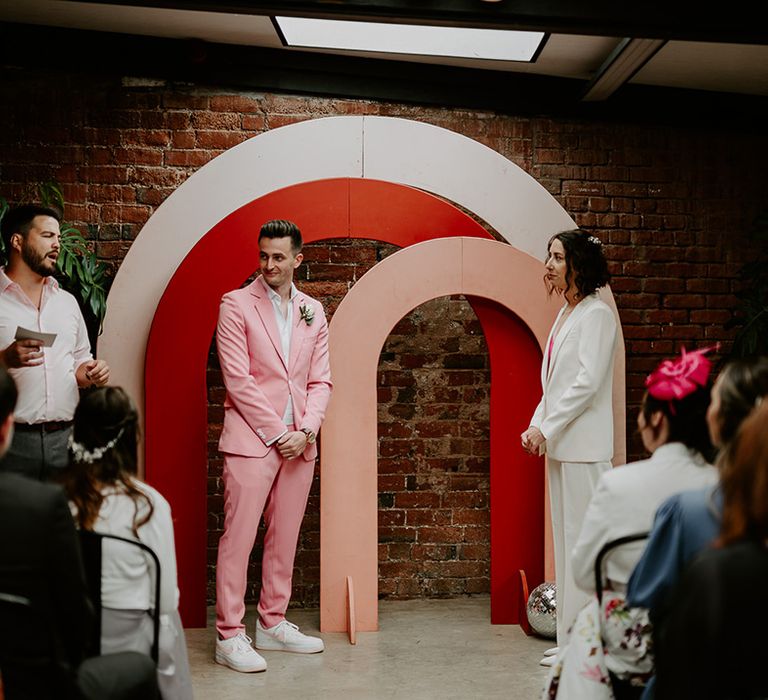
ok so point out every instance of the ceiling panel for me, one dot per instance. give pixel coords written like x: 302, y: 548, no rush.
x: 738, y: 68
x: 220, y: 27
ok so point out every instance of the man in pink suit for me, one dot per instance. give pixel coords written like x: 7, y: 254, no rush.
x: 273, y: 347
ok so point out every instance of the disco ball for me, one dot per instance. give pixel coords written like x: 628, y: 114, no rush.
x: 542, y: 610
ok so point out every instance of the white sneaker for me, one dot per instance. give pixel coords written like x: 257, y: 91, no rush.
x: 285, y: 636
x: 552, y: 651
x: 237, y: 653
x: 548, y: 661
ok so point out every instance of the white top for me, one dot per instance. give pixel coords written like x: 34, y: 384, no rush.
x: 48, y: 391
x: 285, y: 329
x: 625, y: 503
x: 575, y: 414
x: 126, y: 581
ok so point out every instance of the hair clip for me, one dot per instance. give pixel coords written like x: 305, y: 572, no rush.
x: 81, y: 454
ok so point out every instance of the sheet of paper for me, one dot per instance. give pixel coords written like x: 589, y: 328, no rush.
x: 26, y: 334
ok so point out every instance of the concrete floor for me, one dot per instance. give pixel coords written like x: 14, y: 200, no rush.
x: 424, y: 649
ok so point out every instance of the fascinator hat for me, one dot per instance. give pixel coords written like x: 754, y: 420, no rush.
x: 673, y: 380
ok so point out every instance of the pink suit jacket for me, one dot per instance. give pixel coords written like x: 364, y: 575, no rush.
x: 256, y: 377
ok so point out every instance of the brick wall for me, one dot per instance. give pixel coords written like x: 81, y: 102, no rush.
x: 433, y: 443
x: 672, y: 205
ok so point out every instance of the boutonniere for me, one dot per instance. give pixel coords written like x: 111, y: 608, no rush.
x: 307, y: 313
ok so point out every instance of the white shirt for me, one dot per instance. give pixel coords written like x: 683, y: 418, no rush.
x: 126, y: 581
x: 284, y: 328
x: 625, y: 502
x: 47, y: 392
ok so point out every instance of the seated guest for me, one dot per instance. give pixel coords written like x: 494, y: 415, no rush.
x: 710, y: 642
x: 673, y: 428
x: 689, y: 522
x: 40, y: 561
x: 105, y: 496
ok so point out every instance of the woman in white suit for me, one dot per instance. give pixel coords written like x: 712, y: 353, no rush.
x: 573, y: 423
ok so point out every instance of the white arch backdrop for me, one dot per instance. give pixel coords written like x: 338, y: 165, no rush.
x: 395, y: 150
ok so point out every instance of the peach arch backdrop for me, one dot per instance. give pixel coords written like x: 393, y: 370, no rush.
x: 474, y: 267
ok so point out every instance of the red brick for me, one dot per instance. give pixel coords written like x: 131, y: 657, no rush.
x: 419, y: 499
x: 146, y: 137
x: 183, y: 139
x: 428, y: 534
x: 185, y: 101
x: 195, y: 158
x: 155, y: 177
x: 235, y: 103
x: 220, y: 139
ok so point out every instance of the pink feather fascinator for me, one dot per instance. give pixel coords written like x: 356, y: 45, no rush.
x: 675, y: 379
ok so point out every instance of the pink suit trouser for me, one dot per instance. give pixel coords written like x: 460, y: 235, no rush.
x: 279, y: 489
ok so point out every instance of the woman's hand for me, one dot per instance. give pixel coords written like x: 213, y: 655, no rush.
x: 532, y: 441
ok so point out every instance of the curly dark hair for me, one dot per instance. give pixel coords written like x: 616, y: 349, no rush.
x: 586, y: 265
x: 105, y: 414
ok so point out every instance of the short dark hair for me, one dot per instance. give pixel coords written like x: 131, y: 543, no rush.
x: 19, y: 220
x: 586, y: 264
x: 687, y: 418
x: 280, y: 228
x: 8, y: 394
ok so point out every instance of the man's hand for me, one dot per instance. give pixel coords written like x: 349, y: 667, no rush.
x: 93, y: 373
x: 532, y: 441
x: 292, y: 444
x: 23, y: 353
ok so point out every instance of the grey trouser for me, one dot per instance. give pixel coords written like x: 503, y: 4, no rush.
x: 37, y: 454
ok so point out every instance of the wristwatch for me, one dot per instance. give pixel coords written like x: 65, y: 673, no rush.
x: 310, y: 435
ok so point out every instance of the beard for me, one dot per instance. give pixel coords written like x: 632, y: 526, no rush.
x: 36, y: 262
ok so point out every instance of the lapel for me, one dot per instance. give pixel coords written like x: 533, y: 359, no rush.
x: 298, y: 331
x: 546, y: 366
x: 568, y: 326
x: 266, y: 311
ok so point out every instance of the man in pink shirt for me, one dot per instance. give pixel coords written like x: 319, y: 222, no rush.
x: 272, y: 342
x: 48, y: 378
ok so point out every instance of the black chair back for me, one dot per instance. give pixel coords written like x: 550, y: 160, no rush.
x: 30, y: 666
x: 606, y: 549
x: 622, y: 690
x: 91, y: 545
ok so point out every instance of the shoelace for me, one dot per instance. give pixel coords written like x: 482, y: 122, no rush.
x: 243, y: 642
x: 288, y: 628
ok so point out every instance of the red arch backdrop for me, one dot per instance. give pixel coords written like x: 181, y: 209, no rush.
x: 184, y: 322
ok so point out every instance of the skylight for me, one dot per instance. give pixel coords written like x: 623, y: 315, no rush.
x: 413, y: 39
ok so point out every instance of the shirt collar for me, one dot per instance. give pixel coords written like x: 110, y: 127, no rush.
x: 677, y: 450
x: 274, y: 296
x: 6, y: 282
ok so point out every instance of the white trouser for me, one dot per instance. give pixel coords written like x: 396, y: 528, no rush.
x: 571, y: 485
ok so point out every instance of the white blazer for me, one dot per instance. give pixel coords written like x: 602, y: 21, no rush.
x: 625, y: 502
x: 575, y: 413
